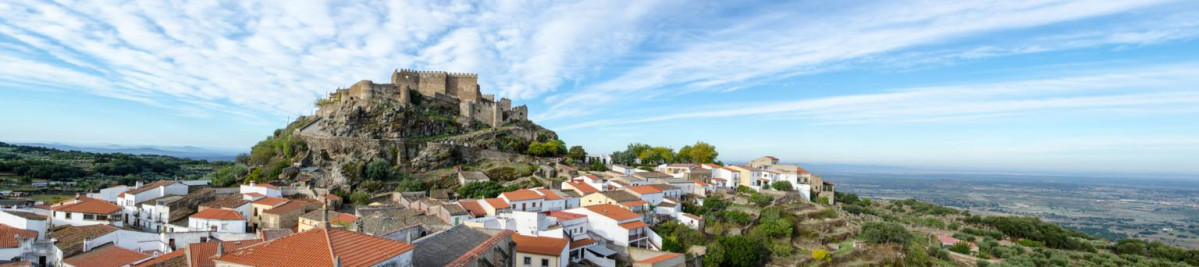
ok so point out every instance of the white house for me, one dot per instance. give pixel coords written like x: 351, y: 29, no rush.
x: 129, y: 200
x: 109, y: 194
x: 619, y: 225
x: 692, y: 221
x: 264, y: 189
x: 217, y: 220
x: 85, y: 211
x: 650, y: 194
x: 677, y: 170
x: 15, y: 241
x: 525, y: 200
x: 25, y: 220
x: 541, y: 250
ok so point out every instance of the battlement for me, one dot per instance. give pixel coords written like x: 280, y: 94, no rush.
x: 448, y: 86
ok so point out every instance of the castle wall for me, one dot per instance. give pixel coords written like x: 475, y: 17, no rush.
x: 366, y: 90
x: 464, y: 86
x: 431, y: 83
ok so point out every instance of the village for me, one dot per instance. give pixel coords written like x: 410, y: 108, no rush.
x: 594, y: 218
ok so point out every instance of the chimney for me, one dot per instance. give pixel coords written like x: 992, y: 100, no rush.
x: 220, y: 248
x: 252, y: 183
x: 138, y: 184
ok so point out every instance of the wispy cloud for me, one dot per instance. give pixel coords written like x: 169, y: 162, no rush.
x: 1146, y: 89
x: 786, y: 42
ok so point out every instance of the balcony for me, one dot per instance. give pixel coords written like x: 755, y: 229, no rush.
x: 634, y: 237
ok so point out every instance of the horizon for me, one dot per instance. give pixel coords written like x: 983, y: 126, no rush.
x: 1068, y: 86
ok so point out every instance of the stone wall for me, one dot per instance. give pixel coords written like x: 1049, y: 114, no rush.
x: 431, y: 83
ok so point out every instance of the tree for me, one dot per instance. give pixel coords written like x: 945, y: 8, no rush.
x: 781, y: 185
x: 742, y: 251
x: 701, y: 152
x: 486, y: 189
x: 360, y: 198
x: 761, y: 200
x: 656, y: 155
x: 378, y: 170
x: 577, y: 153
x: 884, y: 232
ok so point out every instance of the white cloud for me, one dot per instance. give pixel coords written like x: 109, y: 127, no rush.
x: 1153, y: 89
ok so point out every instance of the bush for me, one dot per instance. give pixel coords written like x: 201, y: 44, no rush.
x: 412, y: 186
x: 782, y: 186
x: 744, y: 189
x: 378, y: 170
x: 739, y: 251
x: 761, y: 200
x: 737, y: 217
x: 961, y: 247
x: 360, y: 198
x: 821, y: 255
x: 885, y: 232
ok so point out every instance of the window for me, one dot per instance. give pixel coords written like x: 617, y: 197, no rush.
x: 528, y: 260
x: 68, y: 215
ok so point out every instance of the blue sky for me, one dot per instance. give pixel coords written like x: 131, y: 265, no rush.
x: 1090, y: 86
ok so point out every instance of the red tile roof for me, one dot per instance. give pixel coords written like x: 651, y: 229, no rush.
x: 562, y: 215
x: 581, y: 242
x: 719, y: 179
x: 288, y: 207
x: 8, y: 236
x: 163, y: 258
x: 523, y: 194
x: 702, y: 183
x: 106, y: 256
x: 473, y: 207
x: 583, y: 187
x: 540, y: 245
x: 660, y: 258
x: 634, y: 203
x: 332, y: 197
x: 633, y: 225
x: 319, y: 247
x: 497, y: 203
x: 218, y: 214
x: 86, y: 205
x: 645, y: 189
x: 201, y: 254
x: 549, y: 195
x: 613, y: 212
x: 800, y: 170
x: 271, y: 201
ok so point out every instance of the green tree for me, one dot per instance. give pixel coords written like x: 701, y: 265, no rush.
x: 577, y: 153
x: 657, y: 155
x: 742, y: 251
x: 885, y: 232
x: 781, y: 185
x: 378, y: 170
x: 701, y: 152
x: 486, y: 189
x: 412, y: 186
x: 360, y: 198
x: 961, y: 247
x: 761, y: 199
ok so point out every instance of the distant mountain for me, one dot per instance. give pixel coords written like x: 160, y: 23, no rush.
x: 190, y: 152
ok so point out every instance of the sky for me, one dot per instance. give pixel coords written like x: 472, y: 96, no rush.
x: 1086, y: 86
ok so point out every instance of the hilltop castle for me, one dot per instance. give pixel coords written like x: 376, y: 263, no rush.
x: 461, y: 89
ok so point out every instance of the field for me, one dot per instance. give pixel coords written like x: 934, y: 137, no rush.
x: 1113, y: 208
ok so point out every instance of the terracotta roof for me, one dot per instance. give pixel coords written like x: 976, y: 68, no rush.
x: 334, y: 217
x: 497, y: 203
x: 523, y: 194
x: 645, y: 189
x: 827, y: 182
x: 583, y: 187
x: 17, y: 264
x: 332, y: 197
x: 651, y: 175
x: 693, y: 217
x: 563, y: 216
x: 201, y: 254
x: 287, y: 207
x: 800, y: 170
x: 319, y: 247
x: 271, y: 201
x: 772, y: 157
x: 613, y: 212
x: 105, y: 256
x: 219, y: 214
x: 86, y: 205
x: 633, y: 225
x: 633, y: 203
x: 620, y: 196
x: 473, y: 207
x: 150, y: 186
x: 540, y: 245
x: 702, y: 183
x: 678, y: 165
x: 664, y: 187
x: 68, y: 237
x: 549, y: 195
x: 26, y: 215
x: 231, y: 202
x: 162, y: 259
x: 660, y: 258
x: 8, y: 236
x: 477, y: 251
x: 581, y: 242
x: 719, y: 179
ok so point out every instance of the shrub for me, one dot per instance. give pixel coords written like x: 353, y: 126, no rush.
x: 761, y: 200
x: 378, y: 170
x: 961, y: 247
x: 885, y: 232
x: 782, y: 186
x: 821, y: 255
x: 360, y: 198
x: 737, y: 217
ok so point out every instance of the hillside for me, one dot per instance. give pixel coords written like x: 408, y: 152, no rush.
x: 372, y: 137
x: 753, y: 229
x: 54, y: 171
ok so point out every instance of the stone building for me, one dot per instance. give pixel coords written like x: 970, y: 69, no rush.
x: 458, y: 88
